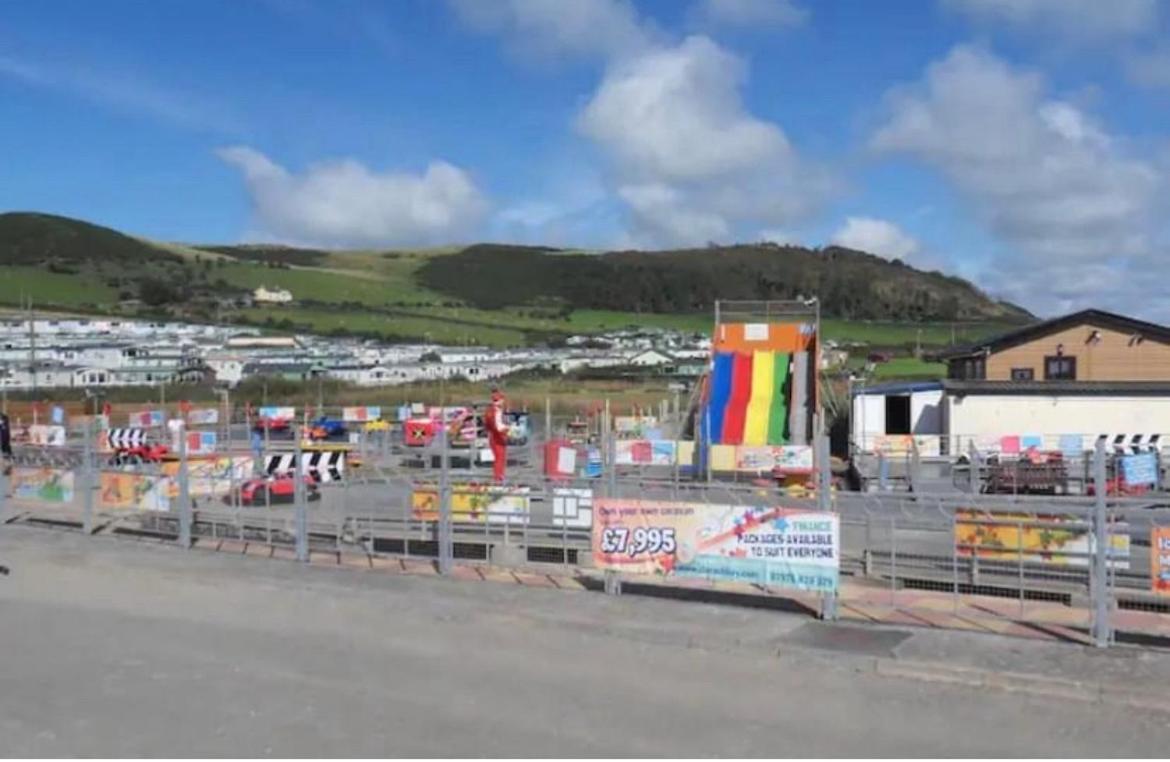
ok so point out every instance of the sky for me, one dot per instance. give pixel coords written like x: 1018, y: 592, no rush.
x: 1023, y: 144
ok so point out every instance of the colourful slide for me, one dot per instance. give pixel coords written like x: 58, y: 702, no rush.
x: 741, y: 392
x: 755, y: 429
x: 720, y: 393
x: 778, y: 412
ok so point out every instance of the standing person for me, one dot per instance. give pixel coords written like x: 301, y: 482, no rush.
x: 497, y: 432
x: 5, y: 436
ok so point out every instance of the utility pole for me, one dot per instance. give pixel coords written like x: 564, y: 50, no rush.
x: 32, y: 344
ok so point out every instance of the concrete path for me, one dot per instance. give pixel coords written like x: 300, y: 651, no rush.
x: 123, y: 648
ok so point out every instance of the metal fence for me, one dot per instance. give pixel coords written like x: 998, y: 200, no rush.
x: 1082, y: 564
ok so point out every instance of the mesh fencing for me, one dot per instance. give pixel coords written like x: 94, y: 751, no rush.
x: 1085, y: 566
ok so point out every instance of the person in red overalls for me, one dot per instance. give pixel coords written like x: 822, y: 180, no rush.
x: 497, y: 434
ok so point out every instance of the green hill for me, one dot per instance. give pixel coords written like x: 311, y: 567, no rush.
x: 850, y: 284
x: 499, y: 295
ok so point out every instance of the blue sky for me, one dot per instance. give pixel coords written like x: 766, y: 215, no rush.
x: 1022, y: 143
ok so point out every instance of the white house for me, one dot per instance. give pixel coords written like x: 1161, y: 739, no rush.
x: 651, y: 358
x: 263, y: 295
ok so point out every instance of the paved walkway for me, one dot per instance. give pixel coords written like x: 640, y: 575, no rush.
x: 859, y: 601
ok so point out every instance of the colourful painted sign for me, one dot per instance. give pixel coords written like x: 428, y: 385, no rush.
x: 630, y: 452
x: 277, y: 413
x: 361, y: 414
x: 201, y: 442
x: 206, y: 416
x: 472, y: 503
x: 126, y: 491
x: 41, y: 435
x: 1160, y: 560
x: 795, y: 458
x: 1140, y: 470
x: 1034, y: 539
x: 44, y: 485
x: 145, y: 419
x: 206, y: 477
x: 781, y: 547
x: 901, y: 444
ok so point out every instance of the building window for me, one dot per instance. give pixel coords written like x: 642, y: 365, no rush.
x: 1060, y: 368
x: 1023, y: 374
x: 969, y: 369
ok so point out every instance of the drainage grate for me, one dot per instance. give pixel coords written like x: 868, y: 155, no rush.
x: 966, y: 588
x: 544, y: 555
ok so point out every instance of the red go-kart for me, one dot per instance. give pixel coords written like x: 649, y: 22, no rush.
x: 271, y: 490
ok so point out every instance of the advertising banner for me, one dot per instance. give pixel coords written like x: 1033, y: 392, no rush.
x: 901, y: 444
x: 783, y: 457
x: 1160, y: 560
x: 145, y: 419
x: 472, y: 503
x: 206, y: 416
x: 1140, y: 470
x: 41, y: 435
x: 123, y: 490
x: 780, y: 547
x: 361, y: 414
x: 206, y: 477
x: 45, y: 485
x: 645, y: 452
x: 1035, y: 539
x: 277, y: 413
x: 201, y: 442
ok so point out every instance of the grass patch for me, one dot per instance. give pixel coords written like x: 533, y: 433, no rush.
x: 392, y: 327
x: 909, y: 369
x: 47, y: 288
x: 326, y: 285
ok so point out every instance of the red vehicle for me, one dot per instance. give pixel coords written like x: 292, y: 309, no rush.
x: 275, y: 427
x: 143, y: 453
x: 280, y: 488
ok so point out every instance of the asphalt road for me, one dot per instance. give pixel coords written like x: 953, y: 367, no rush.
x: 118, y: 648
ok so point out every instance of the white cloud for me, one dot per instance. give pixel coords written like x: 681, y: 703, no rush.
x: 676, y: 114
x: 876, y: 236
x: 602, y: 28
x: 664, y: 215
x: 690, y: 162
x: 1048, y: 180
x: 1084, y: 20
x: 1151, y: 68
x: 343, y: 203
x: 685, y: 158
x: 749, y: 13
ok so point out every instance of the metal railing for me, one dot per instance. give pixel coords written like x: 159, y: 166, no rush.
x: 1084, y: 563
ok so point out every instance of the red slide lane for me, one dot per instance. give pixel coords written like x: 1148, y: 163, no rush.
x: 741, y: 393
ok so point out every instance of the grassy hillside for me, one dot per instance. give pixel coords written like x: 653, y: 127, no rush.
x: 850, y: 284
x: 501, y: 296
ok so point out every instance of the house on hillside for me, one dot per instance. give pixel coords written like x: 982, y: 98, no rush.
x: 652, y: 358
x: 263, y: 295
x: 1063, y: 382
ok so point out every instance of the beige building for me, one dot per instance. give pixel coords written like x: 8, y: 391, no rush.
x: 1090, y: 345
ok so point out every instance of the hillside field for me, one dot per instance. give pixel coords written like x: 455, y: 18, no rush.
x: 488, y: 294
